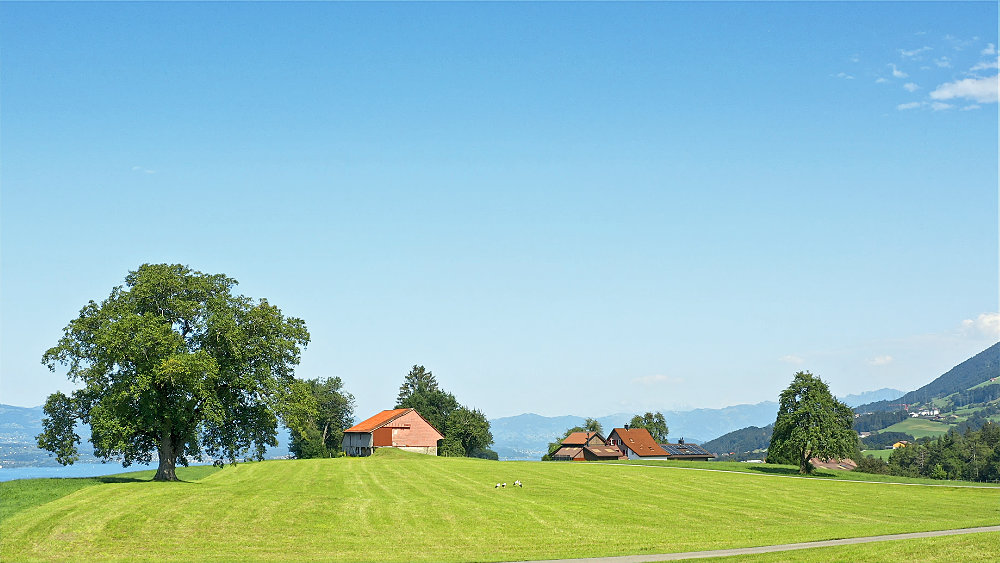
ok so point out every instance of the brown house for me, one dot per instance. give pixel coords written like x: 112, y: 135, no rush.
x: 636, y: 443
x: 399, y: 428
x: 585, y: 446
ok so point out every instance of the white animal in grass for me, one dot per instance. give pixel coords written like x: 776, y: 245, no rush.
x: 518, y: 483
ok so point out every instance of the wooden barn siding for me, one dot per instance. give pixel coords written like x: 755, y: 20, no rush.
x: 420, y: 434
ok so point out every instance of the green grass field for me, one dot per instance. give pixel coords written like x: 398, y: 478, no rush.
x: 881, y: 454
x: 406, y: 507
x: 920, y: 427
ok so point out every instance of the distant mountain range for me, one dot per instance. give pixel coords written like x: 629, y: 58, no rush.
x: 20, y: 425
x: 527, y: 436
x: 885, y: 394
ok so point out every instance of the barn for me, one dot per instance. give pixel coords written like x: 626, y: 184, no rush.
x: 398, y: 428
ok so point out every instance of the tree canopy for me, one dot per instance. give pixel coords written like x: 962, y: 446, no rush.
x: 173, y: 362
x: 655, y: 423
x: 317, y: 416
x: 811, y: 423
x: 466, y: 431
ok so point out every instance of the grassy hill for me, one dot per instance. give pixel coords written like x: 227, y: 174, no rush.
x: 405, y: 507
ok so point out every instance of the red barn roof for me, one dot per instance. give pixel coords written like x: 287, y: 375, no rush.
x: 378, y: 421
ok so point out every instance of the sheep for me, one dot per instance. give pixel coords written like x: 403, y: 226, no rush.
x: 498, y: 486
x: 519, y: 483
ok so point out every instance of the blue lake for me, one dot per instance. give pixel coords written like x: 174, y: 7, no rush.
x: 75, y: 470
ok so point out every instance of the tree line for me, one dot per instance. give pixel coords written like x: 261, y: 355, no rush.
x: 972, y: 455
x: 175, y: 365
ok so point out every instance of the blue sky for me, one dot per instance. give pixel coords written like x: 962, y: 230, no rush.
x: 557, y: 208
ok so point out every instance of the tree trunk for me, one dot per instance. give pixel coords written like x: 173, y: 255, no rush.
x: 168, y: 459
x: 805, y: 468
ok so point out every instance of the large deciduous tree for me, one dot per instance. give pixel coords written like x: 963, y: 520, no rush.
x: 320, y: 411
x: 173, y: 363
x: 811, y: 423
x: 468, y: 432
x: 655, y: 423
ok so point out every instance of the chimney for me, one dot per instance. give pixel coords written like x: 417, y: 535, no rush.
x: 626, y: 427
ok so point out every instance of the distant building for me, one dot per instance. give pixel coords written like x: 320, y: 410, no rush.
x: 900, y: 444
x: 636, y: 443
x: 399, y: 428
x: 586, y: 446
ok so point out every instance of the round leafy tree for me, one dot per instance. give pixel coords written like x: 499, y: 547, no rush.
x: 811, y: 423
x: 173, y: 363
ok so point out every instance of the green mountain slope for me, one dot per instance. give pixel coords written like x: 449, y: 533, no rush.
x: 974, y: 371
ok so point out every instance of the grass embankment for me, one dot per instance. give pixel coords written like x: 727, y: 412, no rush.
x: 405, y: 507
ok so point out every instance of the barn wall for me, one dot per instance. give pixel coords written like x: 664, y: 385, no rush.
x: 419, y: 434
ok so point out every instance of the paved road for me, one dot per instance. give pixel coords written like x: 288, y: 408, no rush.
x: 772, y: 548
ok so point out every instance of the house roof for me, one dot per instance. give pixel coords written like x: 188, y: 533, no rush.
x: 581, y: 438
x: 605, y: 451
x: 567, y: 451
x: 378, y: 421
x: 640, y: 441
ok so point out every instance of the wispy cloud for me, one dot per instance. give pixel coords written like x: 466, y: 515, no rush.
x: 896, y: 73
x: 881, y: 80
x: 845, y: 76
x: 791, y: 359
x: 986, y: 65
x: 657, y: 379
x: 990, y: 49
x: 910, y: 87
x: 943, y: 62
x: 909, y: 105
x: 143, y: 170
x: 986, y: 324
x: 979, y: 90
x: 914, y: 53
x: 881, y: 360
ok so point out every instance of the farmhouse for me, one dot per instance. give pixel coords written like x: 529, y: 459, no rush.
x: 399, y: 428
x: 586, y: 446
x: 636, y: 443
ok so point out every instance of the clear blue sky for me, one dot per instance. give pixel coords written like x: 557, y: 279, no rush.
x: 557, y: 208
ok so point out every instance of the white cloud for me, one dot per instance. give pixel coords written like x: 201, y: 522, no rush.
x: 915, y: 52
x: 990, y: 49
x: 896, y: 72
x: 971, y: 107
x: 943, y: 62
x: 910, y: 105
x: 657, y: 379
x: 910, y: 87
x: 986, y: 324
x: 845, y: 76
x: 143, y: 170
x: 881, y: 80
x: 986, y: 65
x: 881, y: 360
x: 791, y: 359
x: 940, y: 106
x: 981, y: 90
